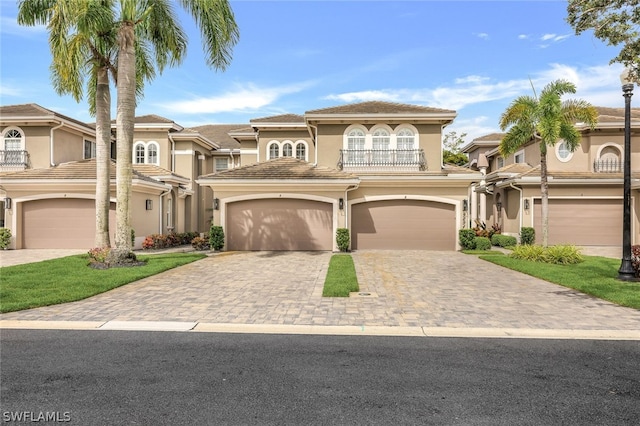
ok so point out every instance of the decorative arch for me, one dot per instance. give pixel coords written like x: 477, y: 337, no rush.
x: 13, y: 139
x: 273, y: 150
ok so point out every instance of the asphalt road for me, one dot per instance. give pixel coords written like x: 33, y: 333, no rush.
x: 164, y: 378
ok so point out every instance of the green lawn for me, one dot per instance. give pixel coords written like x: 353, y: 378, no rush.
x: 341, y: 277
x: 596, y: 276
x: 69, y: 279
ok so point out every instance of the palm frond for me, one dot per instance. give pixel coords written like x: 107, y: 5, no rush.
x: 523, y: 108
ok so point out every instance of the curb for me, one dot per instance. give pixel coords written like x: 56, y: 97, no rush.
x: 348, y: 330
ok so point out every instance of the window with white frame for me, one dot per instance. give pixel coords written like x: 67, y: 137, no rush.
x: 518, y: 157
x: 222, y: 163
x: 274, y: 150
x: 381, y: 142
x: 563, y: 153
x: 301, y: 150
x: 499, y: 162
x: 89, y: 150
x: 355, y: 144
x: 406, y: 144
x: 287, y: 149
x: 13, y: 140
x: 146, y: 153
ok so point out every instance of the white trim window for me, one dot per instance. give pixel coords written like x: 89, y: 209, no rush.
x: 273, y: 150
x: 499, y: 162
x: 13, y: 146
x: 381, y: 143
x: 355, y: 144
x: 89, y: 150
x: 146, y: 153
x: 518, y: 157
x: 301, y: 150
x: 406, y: 141
x: 287, y: 149
x: 221, y: 163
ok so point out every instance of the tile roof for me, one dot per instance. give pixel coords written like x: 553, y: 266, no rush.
x: 492, y: 137
x: 282, y: 118
x: 219, y: 133
x: 615, y: 114
x: 155, y: 171
x: 286, y: 168
x: 36, y: 111
x: 73, y: 170
x: 514, y: 168
x: 379, y: 107
x: 152, y: 118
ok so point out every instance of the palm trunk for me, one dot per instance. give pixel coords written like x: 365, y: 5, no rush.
x: 544, y: 189
x: 124, y: 127
x: 103, y: 150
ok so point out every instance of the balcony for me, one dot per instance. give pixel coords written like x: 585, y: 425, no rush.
x: 13, y: 160
x: 382, y: 160
x: 607, y: 166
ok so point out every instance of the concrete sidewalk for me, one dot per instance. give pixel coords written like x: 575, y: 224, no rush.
x: 402, y: 292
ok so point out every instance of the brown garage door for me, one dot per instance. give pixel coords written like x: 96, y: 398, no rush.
x: 279, y: 224
x: 403, y: 225
x: 588, y: 222
x: 60, y: 223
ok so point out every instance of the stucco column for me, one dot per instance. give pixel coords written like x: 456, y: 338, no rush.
x: 483, y: 207
x: 473, y: 209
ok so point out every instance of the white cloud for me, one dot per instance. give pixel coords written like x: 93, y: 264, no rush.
x: 244, y: 98
x: 547, y: 37
x: 6, y: 90
x: 523, y: 37
x: 368, y: 95
x: 483, y: 36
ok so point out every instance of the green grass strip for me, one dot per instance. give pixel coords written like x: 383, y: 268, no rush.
x: 596, y: 276
x: 341, y: 277
x: 69, y: 279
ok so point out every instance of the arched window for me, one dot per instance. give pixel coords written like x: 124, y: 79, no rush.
x: 13, y: 146
x: 301, y: 151
x: 381, y: 142
x: 287, y: 150
x: 274, y: 150
x: 139, y: 153
x: 355, y: 146
x: 152, y: 153
x: 609, y: 159
x: 406, y: 141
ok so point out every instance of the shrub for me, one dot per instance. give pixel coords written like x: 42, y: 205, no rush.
x: 635, y: 259
x: 200, y: 243
x: 563, y: 255
x: 173, y: 239
x: 99, y: 254
x: 482, y: 231
x: 216, y: 237
x: 467, y: 237
x: 133, y: 238
x: 560, y: 254
x: 482, y: 243
x: 527, y: 236
x: 5, y: 238
x: 503, y: 240
x: 343, y: 239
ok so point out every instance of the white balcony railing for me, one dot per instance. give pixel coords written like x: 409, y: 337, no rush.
x: 13, y: 160
x: 382, y: 160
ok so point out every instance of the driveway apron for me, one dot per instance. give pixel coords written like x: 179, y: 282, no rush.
x: 398, y: 288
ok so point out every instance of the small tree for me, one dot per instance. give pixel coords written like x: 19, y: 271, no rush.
x: 342, y: 239
x: 5, y: 238
x: 451, y: 149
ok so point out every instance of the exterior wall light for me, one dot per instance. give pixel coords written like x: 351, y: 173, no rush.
x: 148, y: 205
x: 465, y: 205
x: 526, y: 204
x: 7, y: 203
x: 341, y: 203
x: 216, y: 204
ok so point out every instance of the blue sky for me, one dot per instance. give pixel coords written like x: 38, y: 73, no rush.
x: 293, y: 56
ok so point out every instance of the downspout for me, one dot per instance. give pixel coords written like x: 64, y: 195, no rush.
x: 521, y: 204
x: 160, y: 197
x: 315, y: 144
x: 51, y: 143
x: 173, y: 153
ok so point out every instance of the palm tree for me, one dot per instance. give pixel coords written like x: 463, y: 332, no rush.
x: 153, y: 24
x: 82, y: 42
x: 546, y: 120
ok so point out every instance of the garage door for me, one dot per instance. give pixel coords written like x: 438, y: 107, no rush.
x: 60, y: 223
x: 403, y: 225
x: 581, y: 222
x: 279, y: 224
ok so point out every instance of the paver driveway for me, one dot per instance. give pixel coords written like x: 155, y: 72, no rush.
x: 408, y: 288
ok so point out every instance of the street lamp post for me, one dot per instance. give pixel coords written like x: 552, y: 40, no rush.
x: 626, y: 271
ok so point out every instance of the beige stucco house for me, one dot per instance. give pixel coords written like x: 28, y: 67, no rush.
x: 585, y: 186
x: 47, y: 178
x: 288, y: 182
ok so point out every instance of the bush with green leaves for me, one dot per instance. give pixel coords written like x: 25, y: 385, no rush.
x: 5, y: 238
x: 559, y: 254
x: 342, y: 239
x: 216, y: 237
x: 482, y: 243
x: 467, y: 238
x: 501, y: 240
x: 527, y: 235
x: 200, y: 244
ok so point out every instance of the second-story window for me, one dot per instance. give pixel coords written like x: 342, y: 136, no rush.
x: 12, y: 140
x: 89, y: 150
x: 222, y: 163
x: 355, y: 144
x: 146, y: 153
x: 499, y: 162
x: 274, y: 150
x: 518, y: 157
x: 381, y: 142
x: 287, y: 150
x: 406, y: 144
x: 301, y: 151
